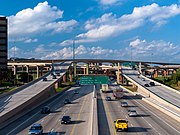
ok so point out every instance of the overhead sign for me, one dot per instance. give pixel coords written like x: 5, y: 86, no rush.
x: 94, y: 80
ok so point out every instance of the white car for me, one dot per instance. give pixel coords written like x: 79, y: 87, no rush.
x: 132, y: 113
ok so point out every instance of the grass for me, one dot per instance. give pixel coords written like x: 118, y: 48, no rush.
x: 129, y: 87
x: 168, y: 81
x: 7, y: 90
x: 64, y: 86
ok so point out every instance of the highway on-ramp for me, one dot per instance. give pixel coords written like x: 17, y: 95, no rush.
x: 149, y: 120
x: 159, y: 90
x: 79, y: 110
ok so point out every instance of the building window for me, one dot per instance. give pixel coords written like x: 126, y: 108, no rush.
x: 3, y: 22
x: 2, y: 41
x: 3, y: 28
x: 2, y: 34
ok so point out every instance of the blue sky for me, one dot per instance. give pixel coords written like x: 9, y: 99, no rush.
x: 146, y: 30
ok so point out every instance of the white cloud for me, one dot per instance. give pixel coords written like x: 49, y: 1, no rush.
x: 108, y: 2
x: 31, y: 40
x: 41, y: 18
x: 154, y: 50
x: 136, y: 42
x: 109, y: 25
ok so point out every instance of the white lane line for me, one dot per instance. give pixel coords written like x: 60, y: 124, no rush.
x: 157, y: 116
x: 30, y: 117
x: 22, y: 123
x: 8, y: 99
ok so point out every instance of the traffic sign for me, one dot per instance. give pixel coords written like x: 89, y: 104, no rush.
x: 94, y: 80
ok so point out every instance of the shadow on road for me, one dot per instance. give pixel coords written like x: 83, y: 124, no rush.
x: 77, y: 121
x: 138, y: 129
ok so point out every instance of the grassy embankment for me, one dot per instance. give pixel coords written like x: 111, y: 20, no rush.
x: 64, y: 86
x: 168, y: 81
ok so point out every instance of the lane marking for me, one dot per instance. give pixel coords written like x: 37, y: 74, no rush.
x: 30, y: 118
x: 72, y: 131
x: 111, y: 121
x: 156, y: 116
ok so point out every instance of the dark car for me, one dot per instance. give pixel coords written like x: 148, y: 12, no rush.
x: 76, y: 92
x: 45, y: 110
x: 152, y: 83
x: 53, y: 77
x: 36, y: 129
x: 67, y: 101
x: 108, y: 98
x: 146, y: 85
x: 44, y: 79
x: 66, y: 120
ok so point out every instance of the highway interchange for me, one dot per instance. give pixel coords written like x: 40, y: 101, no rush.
x: 149, y: 120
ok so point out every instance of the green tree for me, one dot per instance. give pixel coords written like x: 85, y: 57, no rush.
x: 24, y: 77
x: 176, y: 77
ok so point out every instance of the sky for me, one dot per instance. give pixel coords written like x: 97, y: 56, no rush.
x: 144, y: 30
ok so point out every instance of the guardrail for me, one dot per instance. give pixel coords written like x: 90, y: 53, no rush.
x: 94, y: 117
x: 152, y: 94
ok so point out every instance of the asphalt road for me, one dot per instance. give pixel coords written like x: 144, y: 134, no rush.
x: 161, y: 91
x: 79, y: 111
x: 149, y: 121
x: 10, y: 102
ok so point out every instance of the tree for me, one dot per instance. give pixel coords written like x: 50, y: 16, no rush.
x: 176, y: 77
x: 23, y: 77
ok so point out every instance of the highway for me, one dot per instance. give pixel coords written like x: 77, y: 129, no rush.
x: 149, y: 121
x: 16, y: 99
x: 79, y: 110
x: 161, y: 91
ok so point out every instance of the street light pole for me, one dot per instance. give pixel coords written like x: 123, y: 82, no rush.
x: 73, y: 50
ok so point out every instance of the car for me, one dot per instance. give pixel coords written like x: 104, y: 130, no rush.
x: 44, y: 79
x: 121, y: 124
x: 146, y: 85
x: 66, y: 120
x: 143, y: 79
x: 124, y: 104
x: 67, y: 101
x: 45, y: 110
x: 53, y: 77
x: 76, y: 92
x: 152, y: 83
x: 132, y: 113
x: 108, y: 98
x: 36, y: 129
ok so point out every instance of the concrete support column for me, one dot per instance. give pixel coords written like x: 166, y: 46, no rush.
x: 165, y: 72
x: 27, y: 68
x: 56, y: 85
x: 75, y: 65
x: 15, y: 69
x: 41, y: 71
x: 84, y: 71
x: 37, y: 72
x: 118, y: 73
x: 87, y: 69
x: 70, y: 75
x: 140, y: 71
x: 107, y: 72
x: 174, y: 71
x: 64, y: 78
x: 155, y: 73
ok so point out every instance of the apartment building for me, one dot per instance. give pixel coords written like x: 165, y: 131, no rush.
x: 3, y: 44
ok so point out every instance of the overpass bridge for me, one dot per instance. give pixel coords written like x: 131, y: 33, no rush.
x: 40, y: 87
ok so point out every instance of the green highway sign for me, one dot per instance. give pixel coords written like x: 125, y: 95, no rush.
x: 94, y: 80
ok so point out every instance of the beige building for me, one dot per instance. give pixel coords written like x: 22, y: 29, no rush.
x: 3, y: 44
